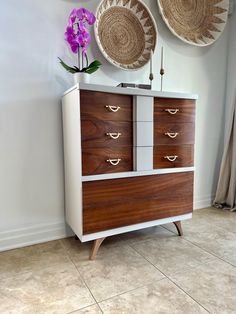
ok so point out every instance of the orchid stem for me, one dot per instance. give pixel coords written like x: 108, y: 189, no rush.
x: 86, y: 59
x: 79, y: 58
x: 82, y: 60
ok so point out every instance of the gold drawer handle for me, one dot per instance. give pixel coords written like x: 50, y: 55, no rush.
x: 114, y: 162
x: 172, y: 111
x: 172, y: 135
x: 113, y: 108
x: 114, y: 136
x: 171, y: 158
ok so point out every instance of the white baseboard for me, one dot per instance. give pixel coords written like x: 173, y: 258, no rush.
x: 33, y: 235
x: 203, y: 202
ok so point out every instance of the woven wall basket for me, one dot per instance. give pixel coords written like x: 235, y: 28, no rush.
x: 197, y: 22
x: 125, y: 32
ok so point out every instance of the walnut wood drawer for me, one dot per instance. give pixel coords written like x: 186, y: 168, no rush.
x: 107, y: 160
x: 120, y: 202
x: 173, y: 133
x: 174, y: 110
x: 97, y: 133
x: 170, y: 156
x: 105, y: 106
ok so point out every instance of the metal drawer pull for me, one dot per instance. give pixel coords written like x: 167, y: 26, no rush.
x: 114, y: 136
x: 172, y: 111
x: 171, y: 158
x: 113, y: 108
x: 172, y: 135
x: 114, y: 162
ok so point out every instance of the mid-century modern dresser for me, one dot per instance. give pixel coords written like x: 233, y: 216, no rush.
x: 129, y: 159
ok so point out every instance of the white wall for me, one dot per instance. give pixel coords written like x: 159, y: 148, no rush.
x: 231, y: 75
x: 31, y: 160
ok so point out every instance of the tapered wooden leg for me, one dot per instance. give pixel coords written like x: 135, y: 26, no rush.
x: 96, y: 245
x: 178, y: 227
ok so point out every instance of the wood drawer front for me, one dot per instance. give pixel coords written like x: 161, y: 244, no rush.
x: 116, y: 203
x: 97, y: 133
x: 173, y: 133
x: 174, y: 110
x: 93, y: 106
x: 171, y: 156
x: 94, y: 160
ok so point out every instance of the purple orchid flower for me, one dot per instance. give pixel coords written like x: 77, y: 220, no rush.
x: 81, y: 27
x: 76, y: 33
x: 85, y: 15
x: 84, y: 40
x: 72, y: 17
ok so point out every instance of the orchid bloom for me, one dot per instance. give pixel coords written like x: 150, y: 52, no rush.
x: 76, y: 33
x: 84, y: 41
x: 86, y: 15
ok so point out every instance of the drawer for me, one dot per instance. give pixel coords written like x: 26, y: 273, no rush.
x: 105, y: 106
x: 97, y: 133
x: 173, y: 133
x: 169, y: 156
x: 117, y: 203
x: 174, y: 110
x: 107, y: 160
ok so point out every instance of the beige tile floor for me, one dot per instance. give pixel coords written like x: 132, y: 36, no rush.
x: 145, y: 272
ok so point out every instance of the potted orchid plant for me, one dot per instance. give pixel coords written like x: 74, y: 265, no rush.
x: 78, y: 38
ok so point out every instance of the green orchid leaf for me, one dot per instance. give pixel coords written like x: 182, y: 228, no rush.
x: 96, y: 63
x: 94, y: 66
x: 91, y: 70
x: 67, y: 67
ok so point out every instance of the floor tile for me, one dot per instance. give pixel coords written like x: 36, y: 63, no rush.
x: 94, y: 309
x: 172, y: 254
x: 11, y: 306
x: 160, y: 298
x: 213, y: 239
x: 116, y: 270
x: 144, y: 234
x: 57, y: 290
x: 32, y: 258
x: 213, y: 285
x: 219, y: 217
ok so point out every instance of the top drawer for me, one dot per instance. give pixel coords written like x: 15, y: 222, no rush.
x: 105, y: 106
x: 174, y: 110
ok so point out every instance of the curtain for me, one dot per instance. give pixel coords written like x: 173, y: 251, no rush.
x: 226, y: 189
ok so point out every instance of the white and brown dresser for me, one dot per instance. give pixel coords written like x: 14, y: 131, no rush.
x: 129, y: 159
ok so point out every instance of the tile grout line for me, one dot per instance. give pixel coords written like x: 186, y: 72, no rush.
x: 117, y: 295
x: 151, y: 282
x: 97, y: 302
x: 70, y: 258
x: 211, y: 253
x: 86, y: 307
x: 172, y: 281
x: 83, y: 280
x: 100, y: 308
x: 204, y: 250
x: 128, y: 291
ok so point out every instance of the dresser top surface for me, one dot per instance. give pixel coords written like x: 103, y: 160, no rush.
x: 130, y: 91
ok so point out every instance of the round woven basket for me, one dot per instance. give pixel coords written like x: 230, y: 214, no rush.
x: 197, y: 22
x: 126, y: 32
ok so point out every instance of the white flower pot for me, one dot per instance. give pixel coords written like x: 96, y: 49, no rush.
x: 81, y: 77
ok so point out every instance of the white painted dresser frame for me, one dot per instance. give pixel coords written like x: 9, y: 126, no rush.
x: 143, y: 156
